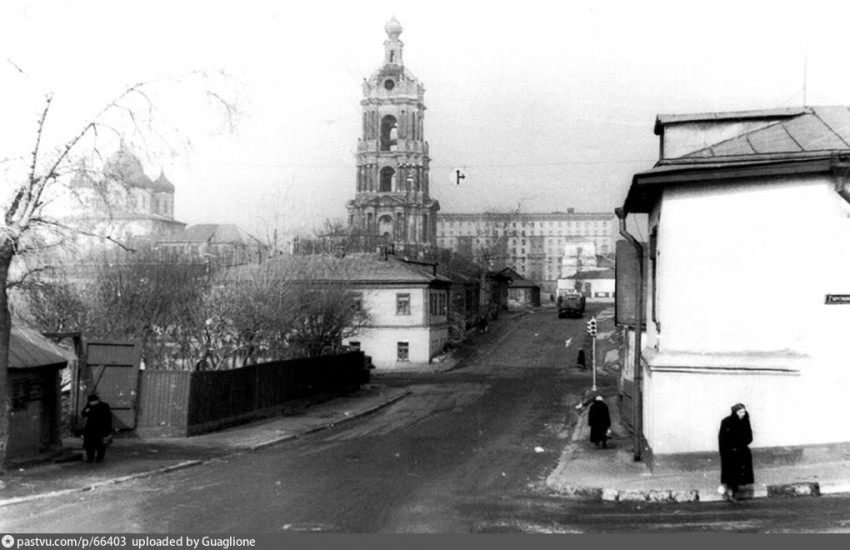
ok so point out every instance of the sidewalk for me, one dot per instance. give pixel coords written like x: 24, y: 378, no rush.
x: 612, y: 474
x: 131, y: 458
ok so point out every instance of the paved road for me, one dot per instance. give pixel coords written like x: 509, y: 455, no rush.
x: 464, y: 440
x: 465, y: 453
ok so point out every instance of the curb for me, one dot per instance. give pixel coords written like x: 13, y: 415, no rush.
x: 94, y: 486
x: 785, y: 490
x: 323, y: 427
x: 190, y: 463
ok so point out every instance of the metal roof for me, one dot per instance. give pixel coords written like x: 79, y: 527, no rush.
x: 729, y: 116
x: 790, y: 141
x: 29, y: 349
x: 351, y: 268
x: 606, y: 273
x: 816, y: 129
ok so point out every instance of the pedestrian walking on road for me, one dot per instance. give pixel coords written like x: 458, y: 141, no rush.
x: 582, y: 364
x: 600, y: 422
x: 482, y: 324
x: 98, y: 429
x: 736, y: 460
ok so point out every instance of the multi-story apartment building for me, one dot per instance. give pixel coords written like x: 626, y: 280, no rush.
x: 538, y: 246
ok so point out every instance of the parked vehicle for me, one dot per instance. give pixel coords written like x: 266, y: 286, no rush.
x: 570, y: 304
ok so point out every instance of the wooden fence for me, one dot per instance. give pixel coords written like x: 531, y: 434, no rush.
x: 183, y: 403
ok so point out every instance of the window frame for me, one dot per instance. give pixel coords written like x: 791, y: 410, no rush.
x: 402, y: 303
x: 403, y: 351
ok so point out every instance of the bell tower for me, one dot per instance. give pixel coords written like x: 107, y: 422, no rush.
x: 391, y: 199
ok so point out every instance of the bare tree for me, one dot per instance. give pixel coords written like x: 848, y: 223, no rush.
x: 250, y: 313
x: 327, y: 314
x: 54, y: 303
x: 488, y: 243
x: 292, y: 306
x: 334, y: 236
x: 35, y: 181
x: 150, y: 298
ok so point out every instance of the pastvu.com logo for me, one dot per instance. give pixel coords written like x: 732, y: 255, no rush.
x: 8, y: 541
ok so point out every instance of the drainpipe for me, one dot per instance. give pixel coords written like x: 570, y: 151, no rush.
x: 637, y: 400
x: 841, y: 170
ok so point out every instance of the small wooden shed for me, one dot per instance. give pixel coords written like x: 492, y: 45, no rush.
x: 35, y: 424
x: 522, y: 292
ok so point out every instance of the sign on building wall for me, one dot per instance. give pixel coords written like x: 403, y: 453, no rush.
x: 626, y: 275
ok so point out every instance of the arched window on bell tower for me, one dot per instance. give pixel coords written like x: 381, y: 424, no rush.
x: 389, y: 133
x: 387, y: 180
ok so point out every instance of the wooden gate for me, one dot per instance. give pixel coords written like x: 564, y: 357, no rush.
x: 113, y: 371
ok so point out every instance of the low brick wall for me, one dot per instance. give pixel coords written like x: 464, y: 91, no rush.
x: 183, y: 403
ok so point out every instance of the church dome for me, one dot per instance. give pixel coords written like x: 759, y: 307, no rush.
x: 393, y: 28
x: 124, y: 167
x: 162, y: 185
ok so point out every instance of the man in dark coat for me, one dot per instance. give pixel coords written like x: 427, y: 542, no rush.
x: 736, y: 461
x: 599, y: 421
x: 98, y: 427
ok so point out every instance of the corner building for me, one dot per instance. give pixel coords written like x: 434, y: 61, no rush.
x: 392, y: 201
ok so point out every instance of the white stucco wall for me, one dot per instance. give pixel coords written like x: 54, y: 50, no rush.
x: 381, y: 305
x: 742, y: 276
x: 425, y: 334
x: 382, y: 345
x: 601, y: 286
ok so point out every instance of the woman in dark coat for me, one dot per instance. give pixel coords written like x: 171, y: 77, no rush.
x: 736, y: 460
x: 599, y: 421
x: 98, y: 427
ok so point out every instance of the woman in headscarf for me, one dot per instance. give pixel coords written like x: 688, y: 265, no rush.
x: 736, y: 461
x: 599, y: 421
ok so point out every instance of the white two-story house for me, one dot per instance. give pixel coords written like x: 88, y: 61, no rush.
x: 747, y: 281
x: 406, y: 303
x: 408, y: 306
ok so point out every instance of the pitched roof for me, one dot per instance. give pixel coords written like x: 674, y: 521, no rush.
x: 663, y: 120
x: 806, y: 130
x: 351, y: 268
x: 771, y: 143
x: 594, y: 275
x: 29, y: 349
x: 522, y: 283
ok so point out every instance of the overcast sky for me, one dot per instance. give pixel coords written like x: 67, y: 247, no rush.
x: 545, y: 104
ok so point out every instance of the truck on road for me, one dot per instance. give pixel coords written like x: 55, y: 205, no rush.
x: 570, y: 302
x: 571, y: 305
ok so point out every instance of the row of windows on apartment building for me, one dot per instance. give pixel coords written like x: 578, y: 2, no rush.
x: 487, y: 234
x: 598, y: 239
x: 603, y: 249
x: 526, y: 225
